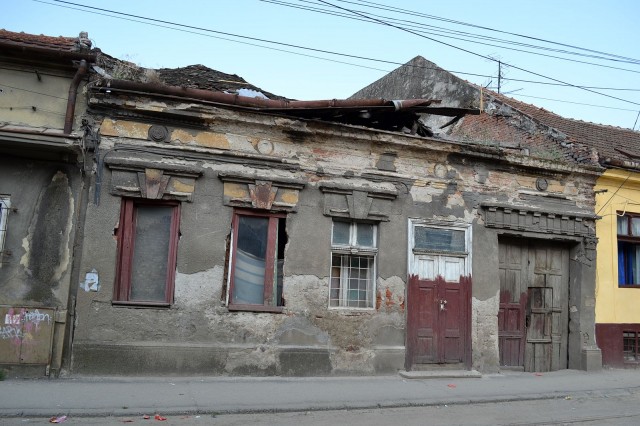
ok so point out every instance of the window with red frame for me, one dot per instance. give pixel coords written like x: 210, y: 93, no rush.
x: 147, y: 248
x: 257, y: 258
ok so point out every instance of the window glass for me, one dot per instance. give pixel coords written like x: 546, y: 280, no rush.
x: 438, y: 239
x: 628, y: 263
x: 150, y: 253
x: 365, y: 234
x: 341, y: 233
x: 635, y: 226
x: 4, y: 212
x: 250, y: 260
x: 352, y: 281
x: 622, y: 225
x: 147, y: 247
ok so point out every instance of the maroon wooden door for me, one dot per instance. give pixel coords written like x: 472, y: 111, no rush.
x: 437, y: 323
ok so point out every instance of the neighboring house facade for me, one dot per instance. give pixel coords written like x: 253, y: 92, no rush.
x: 526, y: 284
x: 41, y: 195
x: 618, y: 203
x: 236, y: 235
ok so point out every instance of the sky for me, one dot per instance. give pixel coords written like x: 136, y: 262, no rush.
x: 326, y: 49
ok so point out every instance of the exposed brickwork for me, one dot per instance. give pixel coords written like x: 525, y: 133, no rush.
x: 604, y: 139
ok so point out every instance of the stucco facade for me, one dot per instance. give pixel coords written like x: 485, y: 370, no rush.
x: 617, y: 299
x: 41, y: 198
x: 213, y: 161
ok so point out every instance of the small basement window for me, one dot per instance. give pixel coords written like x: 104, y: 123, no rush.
x: 630, y: 346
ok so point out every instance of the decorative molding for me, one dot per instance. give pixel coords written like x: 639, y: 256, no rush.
x: 158, y: 133
x: 530, y: 219
x: 261, y: 192
x: 152, y: 179
x: 357, y: 202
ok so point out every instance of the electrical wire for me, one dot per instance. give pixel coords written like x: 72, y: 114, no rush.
x: 571, y: 102
x: 33, y: 91
x: 173, y: 25
x: 488, y: 57
x: 410, y: 12
x: 334, y: 53
x: 408, y: 24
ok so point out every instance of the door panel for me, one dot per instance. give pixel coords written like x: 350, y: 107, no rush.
x: 538, y: 274
x: 512, y: 259
x: 452, y: 268
x: 426, y: 321
x: 451, y: 316
x: 426, y: 267
x: 437, y: 329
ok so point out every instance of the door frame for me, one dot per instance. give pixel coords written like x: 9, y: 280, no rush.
x: 465, y: 280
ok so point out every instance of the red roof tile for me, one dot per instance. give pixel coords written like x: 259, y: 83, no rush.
x: 68, y: 44
x: 604, y: 139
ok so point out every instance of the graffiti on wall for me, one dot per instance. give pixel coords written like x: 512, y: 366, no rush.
x: 21, y: 327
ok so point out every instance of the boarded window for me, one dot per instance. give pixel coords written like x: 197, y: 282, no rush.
x: 147, y: 246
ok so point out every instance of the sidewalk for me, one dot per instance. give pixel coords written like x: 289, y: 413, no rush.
x: 90, y: 396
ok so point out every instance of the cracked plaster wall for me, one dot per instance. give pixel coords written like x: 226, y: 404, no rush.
x: 429, y: 184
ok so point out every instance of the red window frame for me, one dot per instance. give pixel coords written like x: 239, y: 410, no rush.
x: 271, y: 258
x: 126, y: 237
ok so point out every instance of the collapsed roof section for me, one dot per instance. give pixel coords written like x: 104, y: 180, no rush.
x: 398, y: 116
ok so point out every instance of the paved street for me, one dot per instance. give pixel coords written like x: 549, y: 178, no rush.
x: 620, y: 408
x: 565, y: 397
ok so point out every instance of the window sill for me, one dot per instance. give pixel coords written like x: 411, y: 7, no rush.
x: 628, y: 285
x: 256, y: 308
x: 132, y: 304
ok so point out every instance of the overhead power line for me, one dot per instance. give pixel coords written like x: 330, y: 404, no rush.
x: 194, y: 29
x: 453, y: 21
x: 483, y: 56
x: 515, y: 95
x: 463, y: 36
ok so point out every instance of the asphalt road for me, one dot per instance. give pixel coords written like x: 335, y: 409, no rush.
x: 619, y: 407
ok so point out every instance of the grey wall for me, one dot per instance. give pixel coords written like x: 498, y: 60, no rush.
x: 199, y: 335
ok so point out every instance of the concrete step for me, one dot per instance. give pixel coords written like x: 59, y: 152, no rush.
x: 441, y: 374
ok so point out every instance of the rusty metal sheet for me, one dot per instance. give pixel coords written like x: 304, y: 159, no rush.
x: 26, y: 335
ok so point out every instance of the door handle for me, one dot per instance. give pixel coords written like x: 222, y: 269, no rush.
x: 443, y: 303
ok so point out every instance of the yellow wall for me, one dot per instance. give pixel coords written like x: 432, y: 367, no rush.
x: 49, y: 94
x: 613, y: 304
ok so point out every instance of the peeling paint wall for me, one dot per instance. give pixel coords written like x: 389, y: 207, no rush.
x: 319, y: 172
x: 36, y: 262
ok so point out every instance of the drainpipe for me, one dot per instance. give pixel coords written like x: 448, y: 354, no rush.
x: 73, y: 92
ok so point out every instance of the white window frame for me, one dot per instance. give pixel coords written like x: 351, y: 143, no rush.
x: 352, y: 249
x: 439, y: 256
x: 5, y: 205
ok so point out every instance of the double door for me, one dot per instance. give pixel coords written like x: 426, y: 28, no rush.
x: 534, y: 297
x: 438, y: 312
